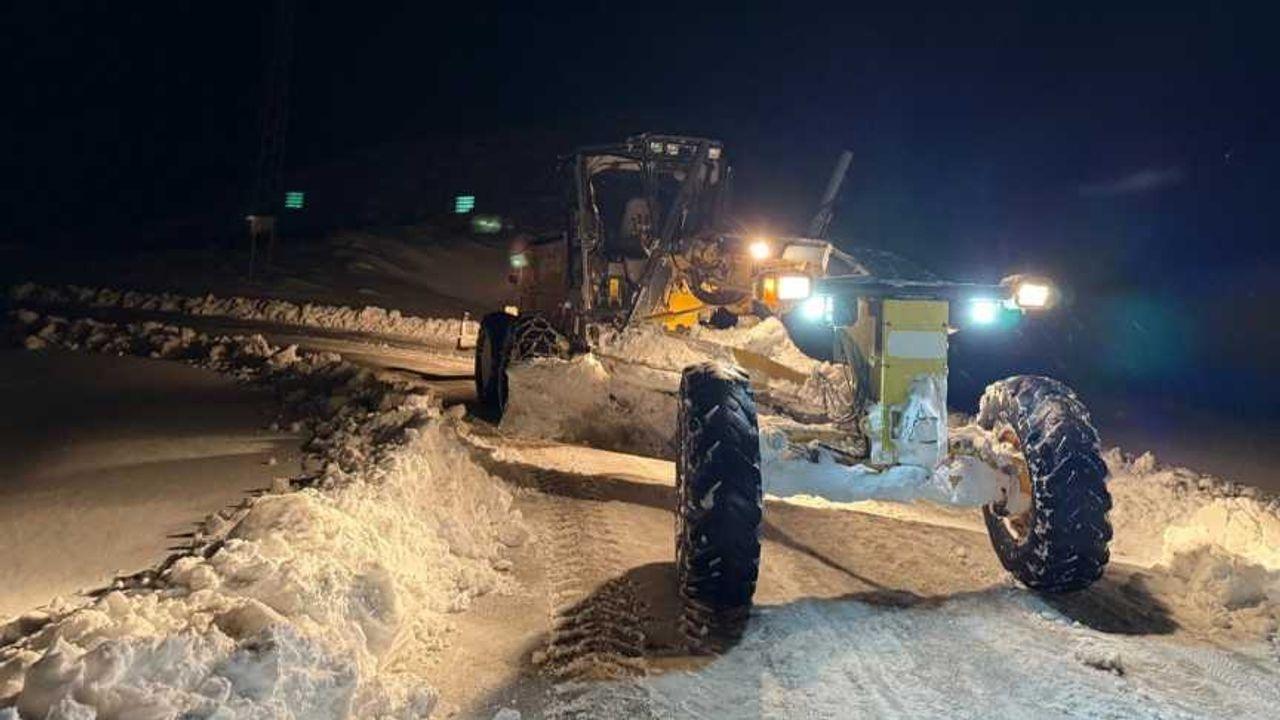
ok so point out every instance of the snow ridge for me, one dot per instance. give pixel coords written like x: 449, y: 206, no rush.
x: 369, y: 319
x: 325, y: 601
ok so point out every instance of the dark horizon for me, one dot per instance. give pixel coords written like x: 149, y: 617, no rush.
x: 1130, y: 152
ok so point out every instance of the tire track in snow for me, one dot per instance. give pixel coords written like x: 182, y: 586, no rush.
x: 597, y: 618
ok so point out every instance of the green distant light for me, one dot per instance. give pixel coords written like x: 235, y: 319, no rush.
x: 295, y: 200
x: 486, y: 224
x: 464, y: 204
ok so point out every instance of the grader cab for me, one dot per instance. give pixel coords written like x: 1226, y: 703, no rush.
x: 647, y: 238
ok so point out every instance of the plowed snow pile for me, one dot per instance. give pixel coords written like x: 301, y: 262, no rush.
x: 323, y: 602
x: 369, y: 319
x: 624, y: 396
x: 1218, y: 542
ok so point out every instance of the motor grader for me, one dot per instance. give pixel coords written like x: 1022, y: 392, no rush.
x: 646, y: 243
x: 646, y: 239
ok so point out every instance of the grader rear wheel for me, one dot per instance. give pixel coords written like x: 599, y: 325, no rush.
x: 720, y: 497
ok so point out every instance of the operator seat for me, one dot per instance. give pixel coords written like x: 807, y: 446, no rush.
x: 636, y: 227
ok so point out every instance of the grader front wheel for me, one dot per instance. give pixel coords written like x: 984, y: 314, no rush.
x: 1060, y: 542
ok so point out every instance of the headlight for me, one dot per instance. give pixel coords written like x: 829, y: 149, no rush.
x: 1030, y: 295
x: 984, y: 311
x: 818, y: 307
x: 1030, y: 292
x: 760, y: 250
x: 794, y: 287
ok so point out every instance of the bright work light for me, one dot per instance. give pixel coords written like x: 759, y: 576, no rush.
x: 794, y: 287
x: 984, y: 311
x: 1032, y: 295
x: 818, y: 307
x: 760, y: 249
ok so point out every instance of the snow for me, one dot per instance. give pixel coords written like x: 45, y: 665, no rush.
x: 1168, y: 510
x: 368, y: 319
x: 811, y: 470
x: 1217, y: 543
x: 325, y: 602
x: 108, y: 459
x: 331, y: 600
x: 768, y: 338
x: 993, y: 653
x: 624, y: 407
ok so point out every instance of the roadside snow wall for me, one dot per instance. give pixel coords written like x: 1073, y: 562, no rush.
x: 321, y: 602
x: 369, y: 319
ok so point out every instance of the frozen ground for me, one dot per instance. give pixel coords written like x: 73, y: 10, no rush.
x: 110, y: 460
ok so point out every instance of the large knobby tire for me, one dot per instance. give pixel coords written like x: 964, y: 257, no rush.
x: 491, y: 363
x: 720, y: 499
x: 1060, y: 543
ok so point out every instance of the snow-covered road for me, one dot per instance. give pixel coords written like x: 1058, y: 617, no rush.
x: 859, y: 614
x: 108, y: 461
x: 868, y: 610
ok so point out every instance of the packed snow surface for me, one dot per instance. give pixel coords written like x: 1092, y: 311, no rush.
x: 324, y: 602
x: 997, y: 653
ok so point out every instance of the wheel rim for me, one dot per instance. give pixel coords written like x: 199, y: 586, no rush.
x: 1018, y: 525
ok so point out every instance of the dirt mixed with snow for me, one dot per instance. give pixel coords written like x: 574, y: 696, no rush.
x: 325, y: 598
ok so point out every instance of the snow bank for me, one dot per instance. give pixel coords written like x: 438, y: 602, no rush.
x: 326, y: 602
x: 1168, y: 510
x: 369, y: 319
x: 1217, y: 543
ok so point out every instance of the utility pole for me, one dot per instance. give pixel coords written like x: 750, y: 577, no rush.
x: 267, y: 181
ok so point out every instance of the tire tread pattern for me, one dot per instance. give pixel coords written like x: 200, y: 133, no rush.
x: 720, y: 499
x: 1066, y: 547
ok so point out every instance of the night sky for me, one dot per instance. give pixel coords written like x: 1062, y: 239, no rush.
x: 1132, y: 152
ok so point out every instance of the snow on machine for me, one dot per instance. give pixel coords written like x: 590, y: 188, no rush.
x: 644, y: 245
